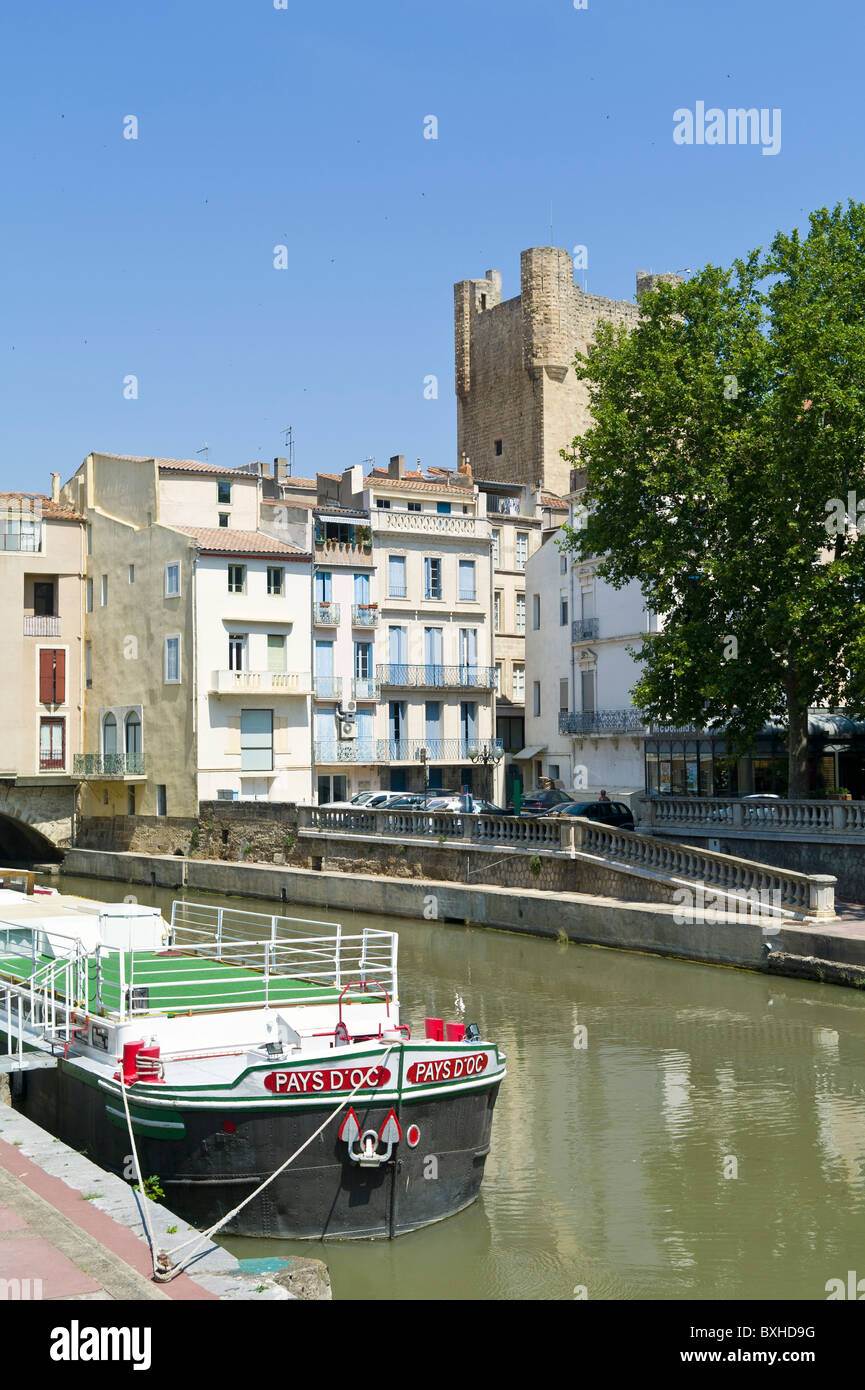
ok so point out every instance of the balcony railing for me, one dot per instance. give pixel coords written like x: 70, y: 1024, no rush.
x: 433, y: 676
x: 404, y: 750
x: 397, y: 591
x: 325, y: 614
x: 343, y: 552
x: 467, y: 595
x: 618, y: 721
x: 365, y: 688
x: 364, y: 614
x: 261, y: 683
x: 328, y: 687
x: 430, y: 522
x: 41, y: 627
x: 584, y: 629
x: 103, y: 765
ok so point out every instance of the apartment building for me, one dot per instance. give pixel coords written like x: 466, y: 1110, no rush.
x: 197, y: 676
x: 41, y: 692
x: 519, y: 518
x: 404, y: 681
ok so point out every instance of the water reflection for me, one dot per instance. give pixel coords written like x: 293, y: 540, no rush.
x: 708, y: 1140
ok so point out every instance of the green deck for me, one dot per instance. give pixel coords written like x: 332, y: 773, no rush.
x: 177, y: 983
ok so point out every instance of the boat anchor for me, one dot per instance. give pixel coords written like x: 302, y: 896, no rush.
x: 363, y: 1149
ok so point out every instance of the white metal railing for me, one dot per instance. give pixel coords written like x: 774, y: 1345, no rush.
x: 41, y: 626
x: 720, y: 813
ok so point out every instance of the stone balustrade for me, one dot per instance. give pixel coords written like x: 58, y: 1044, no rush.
x: 728, y: 813
x: 758, y: 887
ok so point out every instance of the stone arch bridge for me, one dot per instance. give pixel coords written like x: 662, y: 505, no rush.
x: 36, y: 820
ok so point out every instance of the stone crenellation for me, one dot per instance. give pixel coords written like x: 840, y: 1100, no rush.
x: 518, y: 398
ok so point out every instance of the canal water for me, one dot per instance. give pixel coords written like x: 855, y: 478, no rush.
x: 666, y: 1130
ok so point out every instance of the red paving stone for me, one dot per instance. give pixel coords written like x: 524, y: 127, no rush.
x: 10, y: 1220
x: 119, y: 1240
x: 31, y: 1257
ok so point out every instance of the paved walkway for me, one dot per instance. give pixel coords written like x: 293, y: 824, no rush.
x: 54, y: 1238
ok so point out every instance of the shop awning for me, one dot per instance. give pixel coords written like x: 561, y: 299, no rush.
x: 531, y: 752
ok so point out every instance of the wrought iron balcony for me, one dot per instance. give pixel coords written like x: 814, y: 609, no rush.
x: 603, y: 721
x: 365, y: 688
x: 325, y: 614
x: 405, y: 750
x: 584, y: 629
x: 432, y: 676
x: 364, y: 614
x: 108, y: 765
x: 41, y: 627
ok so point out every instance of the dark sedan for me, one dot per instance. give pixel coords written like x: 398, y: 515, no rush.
x: 540, y: 803
x: 612, y: 813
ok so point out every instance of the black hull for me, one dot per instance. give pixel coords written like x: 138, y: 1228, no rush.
x: 322, y: 1195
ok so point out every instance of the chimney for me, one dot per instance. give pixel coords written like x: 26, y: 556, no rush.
x: 396, y: 467
x: 465, y: 466
x: 280, y: 470
x: 55, y: 487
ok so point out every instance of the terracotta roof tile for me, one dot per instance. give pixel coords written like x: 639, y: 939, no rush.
x: 56, y: 511
x: 180, y: 465
x: 412, y: 485
x: 221, y: 540
x: 558, y: 504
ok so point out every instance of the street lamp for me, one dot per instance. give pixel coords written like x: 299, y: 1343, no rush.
x: 487, y: 754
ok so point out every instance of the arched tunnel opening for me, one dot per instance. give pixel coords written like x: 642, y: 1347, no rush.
x: 21, y: 845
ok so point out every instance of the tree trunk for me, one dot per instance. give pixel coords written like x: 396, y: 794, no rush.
x: 797, y: 739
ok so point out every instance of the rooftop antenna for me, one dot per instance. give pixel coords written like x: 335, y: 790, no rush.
x: 370, y: 460
x: 205, y: 450
x: 288, y: 439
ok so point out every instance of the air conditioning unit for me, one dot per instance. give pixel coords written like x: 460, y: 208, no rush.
x: 347, y: 728
x: 349, y: 708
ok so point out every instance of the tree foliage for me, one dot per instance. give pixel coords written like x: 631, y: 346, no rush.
x: 728, y: 435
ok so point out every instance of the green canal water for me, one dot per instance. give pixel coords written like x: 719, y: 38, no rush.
x: 666, y: 1130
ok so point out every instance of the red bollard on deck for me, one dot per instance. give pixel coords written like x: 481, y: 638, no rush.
x: 434, y: 1029
x: 455, y: 1032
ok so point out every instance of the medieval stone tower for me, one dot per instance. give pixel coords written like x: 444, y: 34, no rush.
x: 519, y: 401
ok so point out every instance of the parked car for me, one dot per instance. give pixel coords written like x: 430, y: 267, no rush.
x: 364, y: 801
x: 539, y: 803
x: 455, y: 803
x: 613, y: 813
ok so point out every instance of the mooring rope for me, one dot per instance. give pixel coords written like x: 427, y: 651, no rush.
x: 142, y: 1193
x: 164, y: 1267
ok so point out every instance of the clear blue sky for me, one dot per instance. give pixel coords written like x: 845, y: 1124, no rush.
x: 304, y: 127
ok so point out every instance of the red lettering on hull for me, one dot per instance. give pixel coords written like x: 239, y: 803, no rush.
x: 456, y: 1068
x: 325, y: 1081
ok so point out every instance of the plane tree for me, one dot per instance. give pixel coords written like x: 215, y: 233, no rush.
x: 725, y: 473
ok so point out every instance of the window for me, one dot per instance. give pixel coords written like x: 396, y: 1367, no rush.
x: 498, y: 448
x: 256, y: 740
x: 52, y: 745
x: 104, y: 590
x: 497, y: 610
x: 223, y: 519
x: 161, y: 800
x: 237, y: 651
x: 536, y: 697
x: 89, y: 540
x: 468, y: 720
x: 275, y: 580
x: 132, y: 734
x: 432, y: 569
x: 275, y: 651
x: 130, y: 801
x: 587, y: 680
x: 383, y: 503
x: 553, y: 771
x: 563, y: 564
x: 536, y: 611
x: 563, y: 696
x: 172, y: 581
x: 88, y: 665
x: 52, y: 676
x: 443, y: 508
x: 323, y: 585
x: 521, y: 614
x: 223, y: 493
x: 88, y: 587
x: 132, y: 574
x: 109, y: 736
x: 467, y: 581
x: 236, y: 579
x: 172, y: 661
x: 519, y: 682
x: 563, y: 612
x: 499, y: 690
x: 396, y: 576
x: 522, y: 549
x: 363, y: 661
x: 43, y: 599
x: 414, y: 506
x: 495, y: 540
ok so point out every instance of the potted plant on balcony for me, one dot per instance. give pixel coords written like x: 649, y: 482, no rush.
x: 840, y: 794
